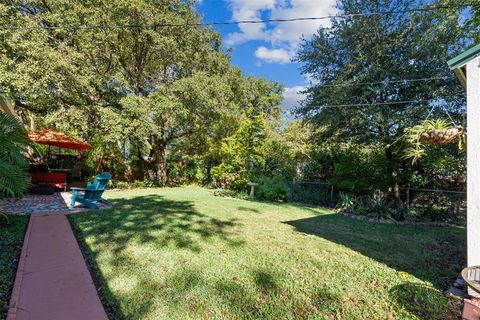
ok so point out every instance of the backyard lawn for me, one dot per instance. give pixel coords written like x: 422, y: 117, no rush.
x: 180, y: 253
x: 12, y: 230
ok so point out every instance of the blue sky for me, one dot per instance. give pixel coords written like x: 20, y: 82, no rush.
x: 266, y: 50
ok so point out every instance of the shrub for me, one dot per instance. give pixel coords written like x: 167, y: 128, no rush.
x: 402, y: 212
x: 379, y: 210
x: 148, y: 183
x: 230, y: 193
x: 312, y: 193
x: 273, y: 189
x: 14, y: 180
x: 347, y: 203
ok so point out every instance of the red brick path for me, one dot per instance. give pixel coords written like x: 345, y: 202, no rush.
x: 52, y: 280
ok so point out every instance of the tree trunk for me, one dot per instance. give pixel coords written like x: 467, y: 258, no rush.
x: 160, y: 155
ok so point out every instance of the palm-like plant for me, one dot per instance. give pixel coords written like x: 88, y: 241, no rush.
x: 14, y: 180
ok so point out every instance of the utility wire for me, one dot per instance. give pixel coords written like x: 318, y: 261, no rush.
x: 368, y: 104
x: 237, y: 22
x: 381, y: 82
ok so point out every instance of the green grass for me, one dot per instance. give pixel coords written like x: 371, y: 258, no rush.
x: 182, y: 253
x: 12, y: 229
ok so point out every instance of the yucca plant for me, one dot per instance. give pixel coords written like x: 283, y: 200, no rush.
x: 14, y: 180
x: 346, y: 203
x: 438, y: 132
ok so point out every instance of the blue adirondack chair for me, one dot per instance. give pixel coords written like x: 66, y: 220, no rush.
x: 92, y: 193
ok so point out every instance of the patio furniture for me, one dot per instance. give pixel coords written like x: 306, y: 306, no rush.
x: 57, y: 139
x: 45, y: 189
x: 53, y: 179
x: 471, y: 275
x: 92, y: 194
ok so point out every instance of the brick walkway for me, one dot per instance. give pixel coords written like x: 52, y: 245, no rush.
x: 41, y: 204
x: 53, y: 281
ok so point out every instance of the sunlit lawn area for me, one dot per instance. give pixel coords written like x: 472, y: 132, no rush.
x: 183, y: 253
x: 12, y: 229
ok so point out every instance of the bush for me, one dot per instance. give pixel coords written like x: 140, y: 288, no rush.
x: 14, y: 180
x: 230, y: 193
x: 372, y: 206
x: 379, y: 209
x: 347, y: 203
x: 134, y: 184
x: 273, y: 189
x: 312, y: 193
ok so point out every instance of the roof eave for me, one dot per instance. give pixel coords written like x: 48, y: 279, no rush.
x: 462, y: 59
x: 461, y: 74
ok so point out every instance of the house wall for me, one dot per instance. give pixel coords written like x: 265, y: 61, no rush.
x: 473, y: 162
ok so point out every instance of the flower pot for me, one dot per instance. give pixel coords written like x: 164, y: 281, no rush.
x: 440, y: 137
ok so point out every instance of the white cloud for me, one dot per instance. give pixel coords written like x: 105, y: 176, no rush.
x: 282, y: 35
x: 291, y: 98
x: 273, y: 55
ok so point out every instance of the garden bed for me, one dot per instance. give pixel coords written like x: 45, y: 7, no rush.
x: 12, y: 230
x: 402, y: 223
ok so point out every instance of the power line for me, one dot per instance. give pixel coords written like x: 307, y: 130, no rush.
x: 381, y: 82
x: 368, y: 104
x: 237, y: 22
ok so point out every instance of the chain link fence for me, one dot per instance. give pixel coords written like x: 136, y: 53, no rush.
x: 317, y: 193
x: 436, y: 204
x: 422, y: 204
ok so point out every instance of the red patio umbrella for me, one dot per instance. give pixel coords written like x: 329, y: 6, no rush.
x: 57, y: 139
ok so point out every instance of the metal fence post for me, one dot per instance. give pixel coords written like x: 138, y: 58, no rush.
x: 408, y: 198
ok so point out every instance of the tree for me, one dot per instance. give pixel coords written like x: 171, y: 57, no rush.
x: 381, y: 51
x: 236, y: 156
x: 471, y: 17
x: 153, y: 84
x: 190, y: 106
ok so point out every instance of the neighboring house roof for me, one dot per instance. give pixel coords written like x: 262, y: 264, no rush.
x: 458, y: 63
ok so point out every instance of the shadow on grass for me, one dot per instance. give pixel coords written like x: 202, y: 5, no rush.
x: 426, y: 302
x: 145, y: 220
x: 247, y: 209
x: 432, y: 254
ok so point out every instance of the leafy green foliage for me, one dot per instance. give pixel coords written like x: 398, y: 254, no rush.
x: 417, y: 136
x: 378, y: 50
x: 168, y: 90
x: 14, y: 180
x: 360, y: 170
x: 12, y: 231
x: 231, y: 194
x: 312, y: 193
x: 133, y: 184
x: 273, y: 189
x: 346, y: 203
x: 378, y: 208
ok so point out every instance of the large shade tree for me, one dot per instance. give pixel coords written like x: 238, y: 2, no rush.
x: 358, y: 66
x: 145, y: 71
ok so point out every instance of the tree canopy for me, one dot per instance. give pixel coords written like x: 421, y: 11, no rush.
x: 152, y: 86
x: 157, y: 95
x: 375, y: 76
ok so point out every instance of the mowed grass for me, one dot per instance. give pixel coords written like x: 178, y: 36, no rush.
x: 182, y: 253
x: 12, y: 229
